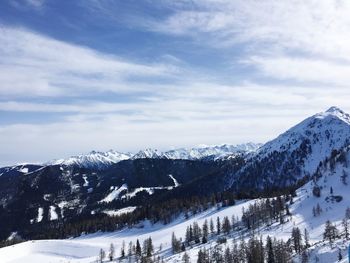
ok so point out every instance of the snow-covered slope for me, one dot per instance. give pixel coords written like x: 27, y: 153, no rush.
x: 321, y: 134
x: 296, y: 153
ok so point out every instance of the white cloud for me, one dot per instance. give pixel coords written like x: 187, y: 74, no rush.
x: 315, y: 26
x: 315, y: 70
x: 34, y: 65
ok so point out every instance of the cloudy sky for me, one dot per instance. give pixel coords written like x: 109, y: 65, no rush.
x: 85, y: 75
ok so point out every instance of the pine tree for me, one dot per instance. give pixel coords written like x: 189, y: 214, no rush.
x: 269, y: 249
x: 111, y: 252
x: 148, y: 247
x: 340, y: 256
x: 197, y: 232
x: 188, y: 235
x: 205, y: 229
x: 186, y: 258
x: 175, y: 244
x: 138, y: 249
x: 346, y: 228
x: 122, y: 250
x: 296, y: 237
x: 306, y: 238
x: 330, y: 232
x: 226, y: 226
x: 102, y: 255
x: 130, y: 249
x: 218, y: 226
x: 228, y: 257
x: 212, y: 225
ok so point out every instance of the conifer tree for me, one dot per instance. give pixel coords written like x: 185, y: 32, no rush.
x: 346, y: 228
x: 205, y: 229
x: 270, y: 252
x: 111, y: 252
x: 306, y: 238
x: 138, y: 251
x: 212, y: 225
x: 185, y: 258
x: 296, y: 238
x: 218, y: 226
x: 226, y: 226
x: 122, y: 250
x: 102, y: 255
x: 330, y: 232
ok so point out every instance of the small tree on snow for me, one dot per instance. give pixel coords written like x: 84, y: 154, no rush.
x: 186, y: 258
x: 346, y: 228
x: 102, y: 255
x: 330, y: 232
x: 340, y: 256
x: 111, y: 252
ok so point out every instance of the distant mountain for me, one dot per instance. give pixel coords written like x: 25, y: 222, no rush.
x: 93, y: 160
x: 215, y: 151
x: 102, y: 160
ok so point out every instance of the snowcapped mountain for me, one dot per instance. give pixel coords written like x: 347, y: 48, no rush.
x: 215, y: 151
x: 101, y: 160
x: 200, y: 152
x: 296, y: 153
x: 320, y: 134
x: 148, y: 153
x: 93, y: 159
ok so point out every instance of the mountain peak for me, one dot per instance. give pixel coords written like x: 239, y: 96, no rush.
x: 334, y: 112
x: 335, y: 109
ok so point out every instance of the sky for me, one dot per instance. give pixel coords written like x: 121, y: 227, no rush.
x: 85, y: 75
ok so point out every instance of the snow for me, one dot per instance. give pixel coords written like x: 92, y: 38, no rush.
x: 85, y: 248
x: 86, y: 182
x: 118, y: 192
x: 202, y: 151
x: 101, y: 160
x: 114, y: 194
x: 124, y: 210
x: 325, y: 131
x: 62, y: 205
x: 53, y: 214
x: 93, y: 159
x: 40, y: 214
x: 24, y: 170
x: 176, y: 183
x: 12, y: 236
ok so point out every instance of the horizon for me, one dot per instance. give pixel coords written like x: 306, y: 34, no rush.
x: 43, y: 162
x: 84, y: 75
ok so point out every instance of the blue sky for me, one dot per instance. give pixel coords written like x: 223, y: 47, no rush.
x: 89, y: 75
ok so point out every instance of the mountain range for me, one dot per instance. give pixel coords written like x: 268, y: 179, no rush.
x: 101, y: 160
x: 86, y: 186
